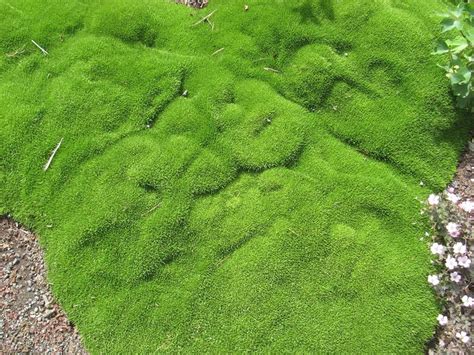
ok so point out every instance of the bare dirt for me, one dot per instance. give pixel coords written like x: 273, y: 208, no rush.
x: 30, y: 319
x: 463, y: 183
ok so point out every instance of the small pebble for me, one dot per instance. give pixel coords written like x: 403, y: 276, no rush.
x: 30, y: 320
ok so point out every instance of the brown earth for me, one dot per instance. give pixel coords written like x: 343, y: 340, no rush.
x: 30, y: 319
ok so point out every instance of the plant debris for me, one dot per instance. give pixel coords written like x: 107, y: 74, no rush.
x: 193, y: 3
x: 53, y: 153
x: 206, y: 19
x: 40, y: 48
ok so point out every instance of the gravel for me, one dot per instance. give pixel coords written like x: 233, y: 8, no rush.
x: 193, y: 3
x: 30, y: 319
x: 463, y: 183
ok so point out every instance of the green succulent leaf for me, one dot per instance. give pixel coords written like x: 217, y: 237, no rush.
x: 446, y: 68
x: 458, y: 12
x: 461, y: 90
x: 469, y: 59
x: 462, y: 76
x: 458, y: 44
x: 456, y: 60
x: 469, y: 34
x: 451, y: 24
x: 460, y: 50
x: 470, y: 9
x: 441, y: 47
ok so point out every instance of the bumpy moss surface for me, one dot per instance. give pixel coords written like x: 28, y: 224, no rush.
x: 268, y: 209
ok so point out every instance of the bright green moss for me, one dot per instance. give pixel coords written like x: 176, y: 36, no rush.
x: 266, y: 209
x: 129, y: 22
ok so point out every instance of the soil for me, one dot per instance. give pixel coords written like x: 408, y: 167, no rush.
x: 463, y: 182
x: 30, y: 319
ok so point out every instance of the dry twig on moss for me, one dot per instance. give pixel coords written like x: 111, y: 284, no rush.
x: 271, y: 69
x: 205, y: 18
x: 218, y: 51
x: 16, y: 52
x: 40, y: 48
x: 53, y: 153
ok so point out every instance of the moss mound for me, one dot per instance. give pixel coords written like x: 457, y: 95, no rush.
x: 270, y: 208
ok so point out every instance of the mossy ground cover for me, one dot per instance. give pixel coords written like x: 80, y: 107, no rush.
x: 268, y: 209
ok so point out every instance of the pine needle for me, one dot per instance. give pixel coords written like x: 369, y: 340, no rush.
x: 40, y: 48
x: 205, y: 18
x: 53, y: 153
x: 218, y: 51
x: 271, y: 69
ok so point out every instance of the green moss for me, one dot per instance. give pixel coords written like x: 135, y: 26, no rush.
x: 129, y: 22
x: 266, y: 209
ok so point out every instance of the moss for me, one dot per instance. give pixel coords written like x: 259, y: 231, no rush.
x: 128, y: 22
x: 263, y: 210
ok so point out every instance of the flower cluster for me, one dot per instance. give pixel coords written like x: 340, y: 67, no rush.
x: 453, y: 250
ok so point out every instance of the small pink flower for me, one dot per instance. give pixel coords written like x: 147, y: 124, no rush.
x: 452, y: 197
x: 467, y: 301
x: 459, y: 248
x: 433, y: 200
x: 463, y: 336
x: 452, y: 229
x: 443, y: 320
x: 437, y: 249
x: 467, y: 206
x: 455, y: 277
x: 451, y: 262
x: 464, y: 261
x: 433, y: 279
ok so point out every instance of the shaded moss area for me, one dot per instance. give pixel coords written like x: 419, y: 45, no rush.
x: 270, y: 208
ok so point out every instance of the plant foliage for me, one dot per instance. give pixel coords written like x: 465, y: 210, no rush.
x: 459, y: 48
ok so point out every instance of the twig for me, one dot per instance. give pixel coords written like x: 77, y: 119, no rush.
x: 40, y: 48
x: 218, y: 51
x: 205, y: 18
x: 271, y: 69
x: 153, y: 208
x: 16, y: 52
x: 53, y: 153
x: 292, y: 231
x: 211, y: 24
